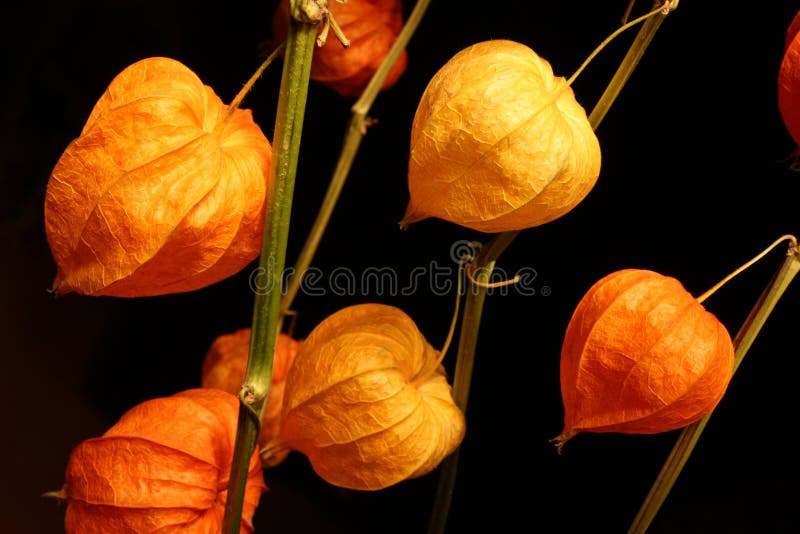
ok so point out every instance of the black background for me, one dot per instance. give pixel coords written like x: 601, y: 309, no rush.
x: 695, y: 181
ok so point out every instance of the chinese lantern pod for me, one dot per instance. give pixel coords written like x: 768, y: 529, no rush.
x: 641, y: 355
x: 789, y: 81
x: 367, y: 401
x: 163, y: 467
x: 371, y: 26
x: 792, y: 30
x: 224, y: 368
x: 162, y: 192
x: 498, y: 143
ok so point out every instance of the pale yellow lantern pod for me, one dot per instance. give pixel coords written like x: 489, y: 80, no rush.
x: 367, y: 400
x: 499, y: 143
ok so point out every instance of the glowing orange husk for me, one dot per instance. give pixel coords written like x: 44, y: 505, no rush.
x: 498, y: 143
x: 789, y: 81
x: 371, y: 26
x: 641, y: 356
x: 163, y: 467
x: 224, y: 368
x: 367, y: 401
x: 162, y: 192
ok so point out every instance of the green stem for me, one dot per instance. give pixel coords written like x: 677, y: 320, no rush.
x: 649, y: 35
x: 266, y: 309
x: 462, y: 378
x: 355, y: 133
x: 629, y: 63
x: 690, y: 434
x: 485, y: 262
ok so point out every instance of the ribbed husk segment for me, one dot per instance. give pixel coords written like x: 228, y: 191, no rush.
x: 498, y: 143
x: 367, y: 401
x: 371, y: 26
x: 160, y: 193
x: 163, y: 467
x: 641, y: 355
x: 224, y: 368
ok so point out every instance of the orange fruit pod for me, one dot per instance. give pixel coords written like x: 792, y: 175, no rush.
x: 498, y: 143
x: 367, y: 400
x: 224, y: 368
x: 371, y: 26
x: 162, y: 192
x: 163, y: 467
x: 789, y: 81
x: 641, y: 356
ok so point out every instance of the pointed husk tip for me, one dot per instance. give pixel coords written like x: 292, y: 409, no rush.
x: 561, y: 440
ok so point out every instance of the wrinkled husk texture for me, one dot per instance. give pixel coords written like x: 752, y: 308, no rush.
x: 371, y: 26
x: 224, y: 368
x: 641, y: 356
x: 163, y: 467
x: 160, y: 193
x: 498, y: 143
x: 367, y: 401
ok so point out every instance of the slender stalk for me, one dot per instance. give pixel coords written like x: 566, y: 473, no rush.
x: 266, y: 309
x: 356, y: 129
x: 689, y: 435
x: 631, y: 60
x: 611, y: 37
x: 491, y: 252
x: 793, y: 243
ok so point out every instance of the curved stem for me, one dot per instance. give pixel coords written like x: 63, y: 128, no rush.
x: 689, y: 435
x: 356, y: 129
x: 248, y: 86
x: 462, y: 378
x: 266, y: 310
x: 427, y: 371
x: 739, y: 270
x: 611, y: 37
x: 485, y: 263
x: 629, y: 63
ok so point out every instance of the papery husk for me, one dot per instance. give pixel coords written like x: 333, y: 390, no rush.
x: 371, y: 26
x: 789, y: 81
x: 162, y: 192
x: 367, y: 401
x: 163, y: 467
x: 499, y: 143
x: 792, y: 30
x: 224, y: 368
x: 641, y: 356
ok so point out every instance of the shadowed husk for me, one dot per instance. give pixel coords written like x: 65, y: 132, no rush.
x: 224, y: 368
x: 163, y: 467
x: 371, y: 26
x: 789, y: 81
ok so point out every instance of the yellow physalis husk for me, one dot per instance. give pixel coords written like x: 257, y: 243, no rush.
x: 367, y: 401
x: 499, y: 143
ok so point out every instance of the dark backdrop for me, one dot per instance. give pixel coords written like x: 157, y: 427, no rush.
x: 694, y: 182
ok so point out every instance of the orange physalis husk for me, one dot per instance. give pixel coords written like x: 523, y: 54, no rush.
x: 789, y: 81
x: 367, y: 400
x: 162, y: 192
x: 641, y: 356
x: 498, y: 143
x: 792, y: 30
x: 224, y: 368
x: 371, y: 26
x: 163, y: 467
